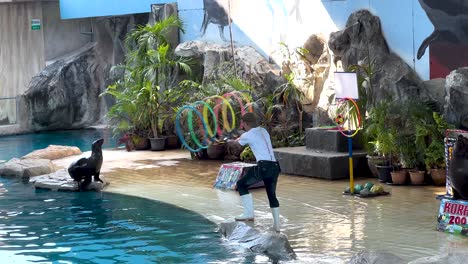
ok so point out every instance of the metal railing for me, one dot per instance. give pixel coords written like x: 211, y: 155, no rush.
x: 8, y: 111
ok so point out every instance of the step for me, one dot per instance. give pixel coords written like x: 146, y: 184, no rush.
x: 320, y: 164
x: 329, y: 140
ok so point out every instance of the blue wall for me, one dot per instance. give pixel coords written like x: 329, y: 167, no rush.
x: 265, y: 23
x: 94, y: 8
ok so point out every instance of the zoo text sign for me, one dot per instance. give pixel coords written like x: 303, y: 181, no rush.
x: 453, y: 216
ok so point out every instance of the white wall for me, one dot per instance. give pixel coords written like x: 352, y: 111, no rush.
x: 21, y: 51
x: 62, y: 36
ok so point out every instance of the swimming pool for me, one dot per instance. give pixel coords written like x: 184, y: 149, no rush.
x: 20, y: 145
x: 89, y: 227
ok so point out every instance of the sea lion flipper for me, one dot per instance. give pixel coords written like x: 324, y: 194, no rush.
x: 425, y: 44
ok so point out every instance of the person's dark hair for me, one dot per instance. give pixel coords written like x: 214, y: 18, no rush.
x: 250, y: 119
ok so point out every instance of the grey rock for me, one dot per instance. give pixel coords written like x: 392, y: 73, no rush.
x: 376, y: 257
x: 217, y: 61
x: 452, y: 258
x: 436, y: 88
x: 61, y: 181
x: 456, y: 100
x: 362, y: 41
x: 24, y: 168
x: 274, y: 245
x: 53, y: 152
x: 65, y: 94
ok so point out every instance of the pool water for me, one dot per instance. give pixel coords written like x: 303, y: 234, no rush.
x: 20, y: 145
x: 89, y: 227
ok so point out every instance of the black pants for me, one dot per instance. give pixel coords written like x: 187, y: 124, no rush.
x: 267, y: 171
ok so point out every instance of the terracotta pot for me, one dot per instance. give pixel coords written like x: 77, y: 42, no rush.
x: 398, y: 177
x: 438, y: 176
x: 140, y: 143
x: 417, y: 177
x: 172, y: 142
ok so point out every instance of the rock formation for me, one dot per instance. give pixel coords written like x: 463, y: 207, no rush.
x: 216, y: 61
x: 53, y: 152
x: 65, y: 94
x: 380, y: 257
x: 25, y: 168
x: 362, y: 42
x: 456, y: 98
x: 274, y: 245
x: 61, y: 181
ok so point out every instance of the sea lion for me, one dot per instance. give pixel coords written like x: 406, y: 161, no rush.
x: 85, y: 168
x: 458, y: 171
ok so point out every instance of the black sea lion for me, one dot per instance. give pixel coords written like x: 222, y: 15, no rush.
x: 458, y: 171
x: 85, y: 168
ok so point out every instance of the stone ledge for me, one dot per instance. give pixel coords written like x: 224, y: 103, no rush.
x: 61, y: 181
x: 329, y: 140
x: 320, y: 164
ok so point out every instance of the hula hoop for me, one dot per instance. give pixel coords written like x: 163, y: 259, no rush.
x: 207, y: 107
x: 181, y: 135
x: 241, y: 104
x: 209, y: 132
x: 340, y: 128
x: 246, y: 99
x: 225, y: 104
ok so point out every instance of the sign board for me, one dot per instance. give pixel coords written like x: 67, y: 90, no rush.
x: 230, y: 173
x: 346, y: 85
x: 450, y: 139
x: 453, y: 216
x: 35, y: 24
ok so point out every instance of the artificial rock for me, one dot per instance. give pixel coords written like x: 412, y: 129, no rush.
x: 456, y: 98
x: 362, y: 43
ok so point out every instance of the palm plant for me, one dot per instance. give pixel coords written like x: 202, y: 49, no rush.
x: 153, y: 69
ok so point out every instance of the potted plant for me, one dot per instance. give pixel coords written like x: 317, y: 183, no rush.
x: 154, y: 69
x: 430, y: 137
x: 381, y: 134
x: 434, y: 159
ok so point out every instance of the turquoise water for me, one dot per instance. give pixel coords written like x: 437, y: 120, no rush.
x: 89, y: 227
x: 20, y: 145
x: 38, y: 226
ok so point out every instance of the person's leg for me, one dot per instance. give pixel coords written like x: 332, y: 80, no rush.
x: 247, y: 200
x: 270, y: 187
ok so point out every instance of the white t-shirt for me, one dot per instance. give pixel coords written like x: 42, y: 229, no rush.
x: 260, y: 144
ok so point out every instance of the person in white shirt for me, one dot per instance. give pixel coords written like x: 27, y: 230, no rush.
x: 267, y: 169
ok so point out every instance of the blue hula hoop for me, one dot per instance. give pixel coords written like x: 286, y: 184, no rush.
x: 179, y: 129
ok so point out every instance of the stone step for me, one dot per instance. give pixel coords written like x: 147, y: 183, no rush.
x: 329, y: 140
x: 320, y: 164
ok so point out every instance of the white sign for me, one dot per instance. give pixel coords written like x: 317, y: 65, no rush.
x: 346, y: 85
